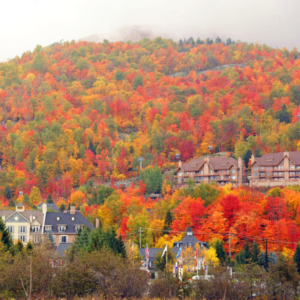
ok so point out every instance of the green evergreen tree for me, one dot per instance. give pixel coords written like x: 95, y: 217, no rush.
x: 29, y: 246
x: 297, y: 257
x: 49, y: 199
x: 221, y: 254
x: 255, y: 251
x: 168, y: 222
x: 62, y: 207
x: 246, y: 157
x: 20, y: 246
x: 7, y: 193
x: 5, y: 236
x: 51, y: 239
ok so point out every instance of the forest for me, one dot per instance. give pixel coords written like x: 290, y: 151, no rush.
x: 77, y: 115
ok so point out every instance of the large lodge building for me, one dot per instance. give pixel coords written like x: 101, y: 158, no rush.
x: 270, y: 170
x: 223, y: 170
x: 275, y: 169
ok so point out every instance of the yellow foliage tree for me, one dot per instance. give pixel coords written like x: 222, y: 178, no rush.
x: 77, y: 198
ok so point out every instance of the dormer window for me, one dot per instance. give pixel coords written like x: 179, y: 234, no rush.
x: 58, y: 218
x: 73, y: 218
x: 48, y: 228
x: 189, y: 245
x: 61, y: 228
x: 33, y: 217
x: 35, y: 228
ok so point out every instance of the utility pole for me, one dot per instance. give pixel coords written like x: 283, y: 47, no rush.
x: 267, y: 263
x: 140, y: 159
x: 140, y: 237
x: 229, y: 248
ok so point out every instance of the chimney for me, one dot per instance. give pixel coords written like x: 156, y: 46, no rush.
x: 252, y: 159
x: 240, y: 171
x: 44, y: 208
x: 65, y: 211
x: 286, y: 153
x: 97, y: 223
x: 3, y: 218
x: 30, y: 218
x: 179, y: 164
x: 206, y: 159
x: 72, y: 210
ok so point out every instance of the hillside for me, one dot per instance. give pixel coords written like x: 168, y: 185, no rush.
x: 74, y: 111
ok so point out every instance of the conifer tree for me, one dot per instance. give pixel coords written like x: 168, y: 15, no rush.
x: 62, y: 207
x: 20, y: 246
x: 49, y: 199
x: 221, y: 254
x: 297, y: 257
x: 51, y: 239
x: 5, y: 236
x: 255, y: 252
x: 29, y: 246
x: 168, y: 222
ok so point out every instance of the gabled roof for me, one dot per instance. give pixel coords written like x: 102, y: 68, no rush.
x: 17, y: 218
x: 66, y: 219
x: 39, y: 216
x: 273, y: 159
x: 62, y: 248
x: 217, y: 163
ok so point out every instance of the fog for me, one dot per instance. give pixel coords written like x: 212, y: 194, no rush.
x: 27, y: 23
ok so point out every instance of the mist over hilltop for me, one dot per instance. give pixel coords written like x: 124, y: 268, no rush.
x: 271, y: 22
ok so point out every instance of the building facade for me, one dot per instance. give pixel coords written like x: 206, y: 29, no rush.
x: 35, y: 225
x: 275, y: 169
x: 222, y: 170
x: 24, y: 225
x: 65, y: 225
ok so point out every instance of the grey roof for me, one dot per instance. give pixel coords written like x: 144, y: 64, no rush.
x: 49, y: 205
x: 66, y: 219
x: 20, y: 205
x: 152, y: 252
x: 62, y: 248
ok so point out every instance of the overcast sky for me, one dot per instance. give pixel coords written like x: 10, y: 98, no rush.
x: 27, y: 23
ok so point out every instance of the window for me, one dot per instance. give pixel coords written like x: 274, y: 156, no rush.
x: 33, y: 217
x: 22, y: 229
x: 63, y: 239
x: 255, y: 174
x: 61, y: 228
x: 275, y: 168
x: 35, y: 228
x: 73, y: 218
x: 262, y: 174
x: 233, y: 171
x: 255, y: 169
x: 13, y: 237
x: 269, y: 174
x: 262, y: 168
x: 292, y: 173
x: 292, y: 167
x: 23, y: 238
x: 47, y: 228
x: 58, y: 218
x: 36, y: 239
x: 268, y: 168
x: 77, y: 227
x: 11, y: 229
x: 280, y: 173
x: 233, y: 177
x: 189, y: 244
x: 298, y: 167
